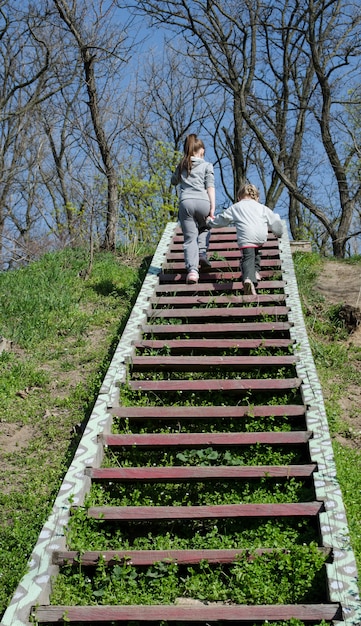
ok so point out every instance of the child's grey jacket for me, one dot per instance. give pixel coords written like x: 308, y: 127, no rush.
x: 251, y: 219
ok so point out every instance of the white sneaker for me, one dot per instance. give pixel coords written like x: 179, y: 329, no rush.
x: 249, y: 288
x: 258, y: 276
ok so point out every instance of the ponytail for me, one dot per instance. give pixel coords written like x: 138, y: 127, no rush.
x: 192, y: 145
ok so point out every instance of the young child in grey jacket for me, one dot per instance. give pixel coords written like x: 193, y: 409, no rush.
x: 252, y: 220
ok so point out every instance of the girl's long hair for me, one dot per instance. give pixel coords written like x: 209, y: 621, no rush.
x: 192, y: 144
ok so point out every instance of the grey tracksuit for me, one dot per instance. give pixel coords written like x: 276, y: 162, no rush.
x: 194, y: 208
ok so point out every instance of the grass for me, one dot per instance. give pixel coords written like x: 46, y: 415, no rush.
x: 337, y: 363
x: 64, y: 331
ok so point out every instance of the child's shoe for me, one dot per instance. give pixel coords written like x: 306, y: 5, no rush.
x: 204, y: 262
x: 192, y: 278
x: 249, y: 288
x: 258, y: 276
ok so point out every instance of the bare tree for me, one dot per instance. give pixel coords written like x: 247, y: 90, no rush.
x: 284, y: 67
x: 101, y: 47
x: 26, y: 81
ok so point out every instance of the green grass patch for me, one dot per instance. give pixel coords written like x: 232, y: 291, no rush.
x: 337, y: 362
x: 63, y: 331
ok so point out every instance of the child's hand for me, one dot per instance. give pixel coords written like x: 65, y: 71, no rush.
x: 209, y: 222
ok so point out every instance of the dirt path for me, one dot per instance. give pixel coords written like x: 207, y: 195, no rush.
x: 340, y: 283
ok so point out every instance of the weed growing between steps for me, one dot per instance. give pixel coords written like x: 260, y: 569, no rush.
x: 89, y: 534
x: 207, y: 493
x: 257, y: 454
x: 282, y: 577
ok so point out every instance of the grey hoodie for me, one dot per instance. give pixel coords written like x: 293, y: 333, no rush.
x: 196, y: 184
x: 251, y: 219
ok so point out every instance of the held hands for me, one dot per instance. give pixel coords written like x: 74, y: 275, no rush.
x: 209, y: 222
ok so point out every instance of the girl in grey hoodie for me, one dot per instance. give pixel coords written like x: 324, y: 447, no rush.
x: 194, y: 178
x: 252, y: 220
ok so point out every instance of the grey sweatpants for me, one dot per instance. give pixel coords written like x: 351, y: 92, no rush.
x: 250, y: 263
x: 192, y: 217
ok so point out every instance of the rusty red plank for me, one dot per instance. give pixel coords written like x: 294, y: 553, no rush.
x: 149, y: 557
x: 206, y: 277
x: 203, y: 363
x: 217, y: 472
x: 182, y: 440
x: 219, y: 312
x: 294, y: 509
x: 231, y: 252
x: 206, y: 287
x: 196, y: 300
x: 226, y: 234
x: 194, y: 613
x: 186, y: 345
x: 208, y: 412
x: 213, y: 328
x: 228, y: 265
x: 245, y: 384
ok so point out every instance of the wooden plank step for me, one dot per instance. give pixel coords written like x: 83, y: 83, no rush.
x: 205, y: 277
x: 178, y: 473
x: 192, y: 613
x: 230, y: 264
x: 246, y: 384
x: 223, y: 237
x: 200, y: 440
x: 204, y: 363
x: 196, y: 300
x: 291, y: 509
x: 210, y: 329
x: 149, y: 557
x: 211, y: 312
x: 229, y: 253
x: 187, y: 345
x: 214, y: 287
x: 207, y: 412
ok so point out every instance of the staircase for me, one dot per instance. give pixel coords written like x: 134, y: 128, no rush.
x: 204, y: 375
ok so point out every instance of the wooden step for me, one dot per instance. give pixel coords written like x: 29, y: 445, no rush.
x: 213, y: 328
x: 192, y: 613
x: 179, y: 473
x: 219, y: 312
x: 204, y: 363
x: 206, y: 300
x: 190, y: 345
x: 208, y: 287
x: 207, y: 277
x: 149, y: 557
x: 245, y: 384
x: 201, y: 440
x: 131, y: 513
x: 207, y: 412
x: 232, y: 252
x: 220, y: 265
